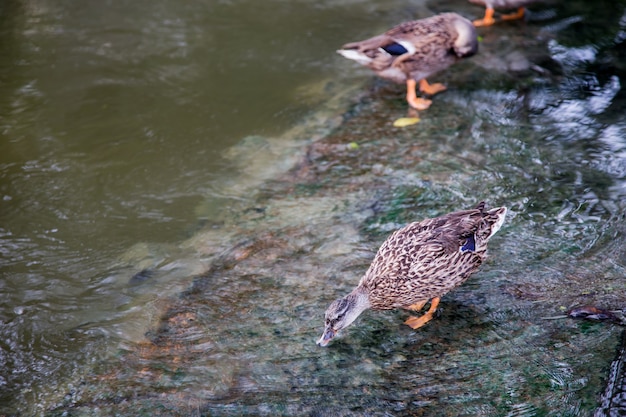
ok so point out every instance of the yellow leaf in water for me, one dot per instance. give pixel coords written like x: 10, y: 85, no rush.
x: 406, y: 121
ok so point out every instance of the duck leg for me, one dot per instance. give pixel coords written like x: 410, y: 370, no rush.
x: 512, y: 16
x: 417, y: 306
x: 417, y: 103
x: 415, y: 322
x: 488, y: 20
x: 431, y: 89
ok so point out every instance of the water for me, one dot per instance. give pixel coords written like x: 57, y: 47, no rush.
x: 181, y: 203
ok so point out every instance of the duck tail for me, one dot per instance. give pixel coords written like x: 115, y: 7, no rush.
x: 492, y: 221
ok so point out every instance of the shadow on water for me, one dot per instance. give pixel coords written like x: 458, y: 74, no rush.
x: 535, y: 122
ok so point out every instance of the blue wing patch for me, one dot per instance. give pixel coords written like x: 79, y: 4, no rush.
x: 395, y: 49
x: 470, y: 245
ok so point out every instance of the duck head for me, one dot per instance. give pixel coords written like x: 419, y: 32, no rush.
x: 466, y: 43
x: 342, y: 312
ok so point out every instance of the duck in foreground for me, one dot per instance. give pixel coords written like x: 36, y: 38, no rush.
x: 420, y: 262
x: 412, y: 51
x: 491, y: 5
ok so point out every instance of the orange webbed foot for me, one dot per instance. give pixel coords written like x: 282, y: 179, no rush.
x: 411, y: 96
x: 417, y: 322
x: 488, y: 20
x: 519, y: 14
x: 417, y: 306
x: 431, y: 89
x: 419, y: 103
x: 484, y: 22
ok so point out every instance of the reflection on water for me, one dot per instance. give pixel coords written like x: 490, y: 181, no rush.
x: 181, y: 171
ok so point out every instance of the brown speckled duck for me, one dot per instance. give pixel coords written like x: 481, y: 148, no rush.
x: 491, y: 5
x: 420, y: 262
x: 412, y: 51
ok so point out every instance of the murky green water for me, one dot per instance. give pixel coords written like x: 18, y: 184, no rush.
x: 181, y: 200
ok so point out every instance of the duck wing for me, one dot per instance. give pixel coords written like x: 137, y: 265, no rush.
x: 427, y: 259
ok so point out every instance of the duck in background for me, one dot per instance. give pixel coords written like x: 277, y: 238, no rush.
x: 491, y: 5
x: 414, y: 50
x: 418, y: 263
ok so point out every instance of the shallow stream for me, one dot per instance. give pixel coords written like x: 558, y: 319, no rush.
x: 186, y: 187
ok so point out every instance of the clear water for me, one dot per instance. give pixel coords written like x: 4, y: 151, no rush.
x: 181, y: 200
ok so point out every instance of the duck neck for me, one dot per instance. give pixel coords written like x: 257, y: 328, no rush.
x: 358, y: 301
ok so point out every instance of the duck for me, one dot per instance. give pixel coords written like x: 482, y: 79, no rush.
x: 414, y: 50
x: 416, y: 264
x: 491, y: 5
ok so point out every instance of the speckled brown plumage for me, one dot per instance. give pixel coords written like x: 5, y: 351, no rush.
x: 434, y: 41
x: 424, y: 260
x: 414, y: 50
x: 419, y: 262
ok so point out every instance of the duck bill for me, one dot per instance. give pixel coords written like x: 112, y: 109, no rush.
x: 327, y: 336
